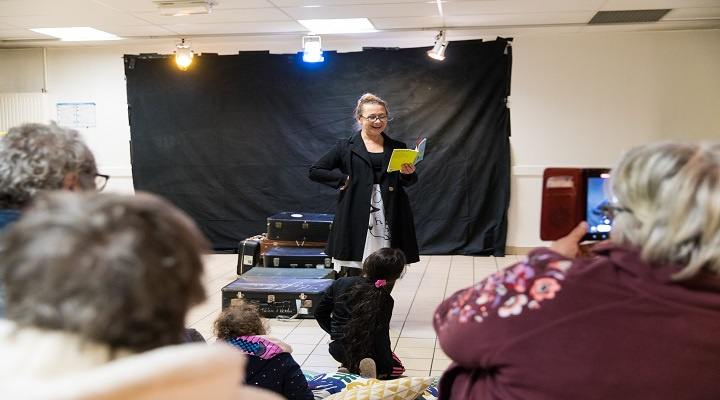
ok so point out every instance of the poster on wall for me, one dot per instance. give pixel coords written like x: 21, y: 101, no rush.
x: 76, y: 115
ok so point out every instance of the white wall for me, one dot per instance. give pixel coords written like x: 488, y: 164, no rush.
x: 582, y: 100
x: 577, y: 100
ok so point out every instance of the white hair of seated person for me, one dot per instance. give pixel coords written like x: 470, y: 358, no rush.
x: 668, y: 200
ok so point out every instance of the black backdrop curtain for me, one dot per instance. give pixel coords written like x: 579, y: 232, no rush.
x: 230, y: 140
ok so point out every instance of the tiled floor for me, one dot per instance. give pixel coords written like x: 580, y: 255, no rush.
x: 416, y: 296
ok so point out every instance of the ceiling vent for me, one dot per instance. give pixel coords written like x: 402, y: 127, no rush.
x: 628, y: 16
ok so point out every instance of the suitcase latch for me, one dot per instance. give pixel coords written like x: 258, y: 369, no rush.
x: 237, y: 300
x: 305, y: 225
x: 305, y: 303
x: 271, y: 298
x: 278, y: 224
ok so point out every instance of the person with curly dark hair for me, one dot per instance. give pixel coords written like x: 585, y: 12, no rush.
x: 269, y: 363
x: 356, y: 312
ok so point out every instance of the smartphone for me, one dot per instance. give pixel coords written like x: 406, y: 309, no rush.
x: 571, y: 195
x: 597, y: 204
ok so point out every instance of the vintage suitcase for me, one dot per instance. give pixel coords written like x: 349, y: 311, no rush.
x: 309, y: 227
x: 249, y: 253
x: 297, y: 257
x: 300, y: 273
x: 267, y: 244
x: 277, y: 297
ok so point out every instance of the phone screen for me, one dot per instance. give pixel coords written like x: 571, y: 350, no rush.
x: 599, y: 223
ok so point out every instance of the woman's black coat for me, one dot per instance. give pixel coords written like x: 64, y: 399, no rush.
x: 349, y: 157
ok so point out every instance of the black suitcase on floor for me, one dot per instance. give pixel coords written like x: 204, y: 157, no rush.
x: 300, y: 273
x: 297, y: 257
x: 249, y: 253
x: 267, y: 244
x: 277, y: 297
x: 310, y: 227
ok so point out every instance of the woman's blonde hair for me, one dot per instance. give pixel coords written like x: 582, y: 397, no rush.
x: 668, y: 195
x: 369, y: 98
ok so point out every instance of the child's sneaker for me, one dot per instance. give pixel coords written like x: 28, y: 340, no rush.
x: 367, y: 368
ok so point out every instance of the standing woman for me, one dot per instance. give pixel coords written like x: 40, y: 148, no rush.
x: 373, y: 210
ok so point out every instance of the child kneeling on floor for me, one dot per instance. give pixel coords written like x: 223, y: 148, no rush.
x: 356, y: 312
x: 269, y: 363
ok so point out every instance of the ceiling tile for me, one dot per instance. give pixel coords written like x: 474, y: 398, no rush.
x: 520, y: 19
x: 491, y: 32
x: 45, y: 7
x: 218, y: 17
x: 406, y: 22
x: 239, y: 28
x: 135, y: 30
x: 693, y: 13
x: 316, y: 3
x: 367, y: 11
x: 7, y: 34
x: 519, y: 6
x: 64, y: 21
x: 656, y: 4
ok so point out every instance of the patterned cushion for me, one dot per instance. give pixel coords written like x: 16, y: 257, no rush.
x: 324, y: 385
x: 408, y: 388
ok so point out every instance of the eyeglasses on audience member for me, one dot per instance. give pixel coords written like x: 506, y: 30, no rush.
x: 101, y: 181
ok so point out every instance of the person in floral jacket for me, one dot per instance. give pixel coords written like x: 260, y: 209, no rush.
x: 638, y: 318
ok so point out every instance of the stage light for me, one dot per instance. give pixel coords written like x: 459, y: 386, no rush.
x: 438, y: 51
x: 183, y: 54
x: 185, y: 7
x: 312, y: 49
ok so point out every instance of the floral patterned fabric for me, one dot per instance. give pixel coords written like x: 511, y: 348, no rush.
x: 609, y: 326
x: 509, y: 292
x: 324, y: 385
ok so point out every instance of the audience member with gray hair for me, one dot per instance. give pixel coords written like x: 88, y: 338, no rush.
x: 97, y: 289
x: 638, y: 319
x: 36, y: 158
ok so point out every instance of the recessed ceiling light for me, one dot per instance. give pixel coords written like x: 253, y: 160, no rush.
x: 346, y: 25
x: 185, y: 7
x: 76, y: 34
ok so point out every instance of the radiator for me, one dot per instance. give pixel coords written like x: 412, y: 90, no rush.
x: 19, y: 108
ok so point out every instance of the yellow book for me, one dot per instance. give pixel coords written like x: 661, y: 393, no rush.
x: 407, y: 156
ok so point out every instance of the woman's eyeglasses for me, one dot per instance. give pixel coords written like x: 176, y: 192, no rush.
x: 374, y: 118
x: 100, y: 181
